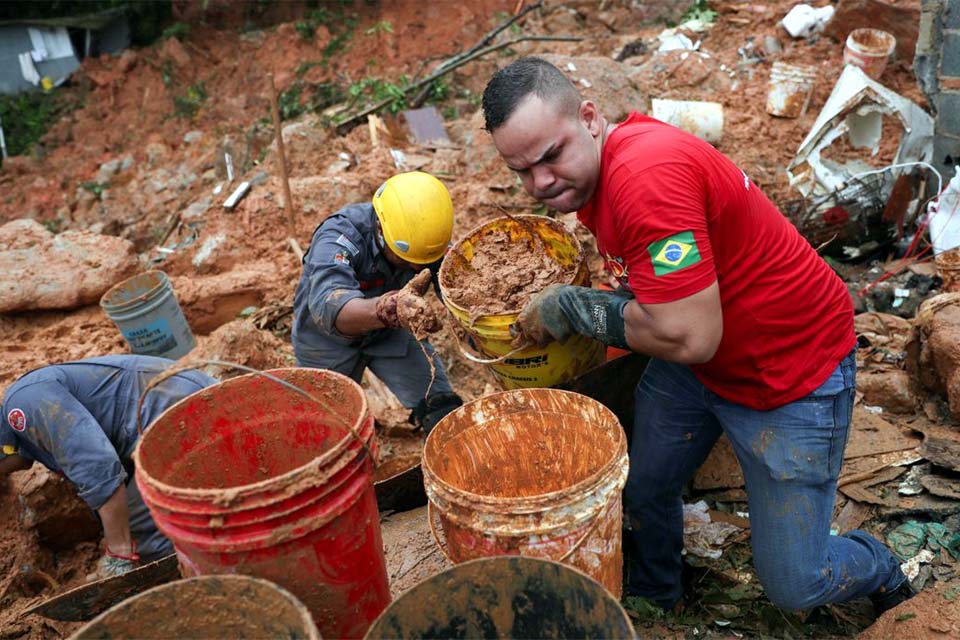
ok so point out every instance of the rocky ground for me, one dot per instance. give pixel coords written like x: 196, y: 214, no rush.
x: 135, y: 179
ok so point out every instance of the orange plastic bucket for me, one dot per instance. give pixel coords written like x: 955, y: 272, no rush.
x: 534, y: 472
x: 250, y: 477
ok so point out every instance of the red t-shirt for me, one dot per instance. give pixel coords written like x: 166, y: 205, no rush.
x: 672, y: 214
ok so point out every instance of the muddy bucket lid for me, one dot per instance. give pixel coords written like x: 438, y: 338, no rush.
x: 505, y: 597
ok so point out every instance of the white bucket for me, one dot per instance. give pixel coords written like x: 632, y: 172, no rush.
x: 702, y: 119
x: 869, y: 49
x: 791, y: 86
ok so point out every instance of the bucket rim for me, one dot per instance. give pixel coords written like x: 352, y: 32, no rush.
x: 309, y: 626
x: 231, y: 495
x: 854, y: 44
x: 478, y: 229
x: 595, y: 479
x: 465, y: 566
x: 163, y: 281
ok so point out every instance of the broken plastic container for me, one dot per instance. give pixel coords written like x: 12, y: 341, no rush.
x: 944, y: 215
x: 803, y: 20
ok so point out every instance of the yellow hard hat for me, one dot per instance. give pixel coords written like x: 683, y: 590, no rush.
x: 416, y: 216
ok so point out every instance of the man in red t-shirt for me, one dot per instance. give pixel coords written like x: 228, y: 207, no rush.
x: 750, y: 333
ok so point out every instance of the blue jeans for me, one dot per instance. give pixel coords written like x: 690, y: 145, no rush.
x: 791, y: 458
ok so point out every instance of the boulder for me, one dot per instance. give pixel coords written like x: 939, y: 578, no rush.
x: 902, y: 20
x: 212, y: 301
x: 40, y: 270
x: 241, y: 342
x: 49, y: 504
x: 605, y: 81
x: 938, y: 326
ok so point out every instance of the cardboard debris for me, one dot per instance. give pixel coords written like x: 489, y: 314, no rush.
x: 871, y: 435
x: 941, y: 486
x: 426, y: 126
x: 860, y: 492
x: 856, y: 108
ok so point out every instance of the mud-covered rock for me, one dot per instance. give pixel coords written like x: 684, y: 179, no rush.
x: 49, y: 504
x: 938, y: 325
x: 212, y: 301
x: 241, y: 342
x: 605, y: 81
x: 40, y: 270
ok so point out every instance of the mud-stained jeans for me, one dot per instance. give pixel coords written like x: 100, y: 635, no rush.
x: 791, y: 458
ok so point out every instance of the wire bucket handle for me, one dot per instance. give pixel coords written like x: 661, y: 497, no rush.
x: 196, y: 364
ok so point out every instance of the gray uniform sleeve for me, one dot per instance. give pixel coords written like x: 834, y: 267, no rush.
x: 333, y: 279
x: 57, y: 424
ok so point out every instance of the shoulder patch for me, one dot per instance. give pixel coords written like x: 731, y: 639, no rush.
x: 17, y: 419
x: 674, y: 253
x: 345, y: 242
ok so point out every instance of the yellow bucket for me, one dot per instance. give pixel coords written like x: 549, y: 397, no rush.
x: 533, y: 366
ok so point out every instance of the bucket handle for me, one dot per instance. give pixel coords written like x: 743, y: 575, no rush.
x: 196, y: 364
x: 442, y: 541
x: 472, y: 357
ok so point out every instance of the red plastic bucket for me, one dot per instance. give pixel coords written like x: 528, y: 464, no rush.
x: 250, y: 477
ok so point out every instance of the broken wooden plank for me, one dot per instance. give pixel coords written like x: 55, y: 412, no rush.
x: 941, y: 486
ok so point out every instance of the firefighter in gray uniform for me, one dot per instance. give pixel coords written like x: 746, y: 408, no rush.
x: 345, y: 306
x: 79, y: 419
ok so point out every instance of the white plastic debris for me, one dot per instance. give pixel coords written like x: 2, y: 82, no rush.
x: 702, y: 119
x: 944, y: 215
x: 856, y: 108
x: 701, y: 536
x: 670, y: 40
x: 911, y: 568
x: 803, y: 20
x: 399, y: 159
x: 237, y: 195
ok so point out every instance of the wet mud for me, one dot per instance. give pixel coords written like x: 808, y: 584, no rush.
x: 504, y: 273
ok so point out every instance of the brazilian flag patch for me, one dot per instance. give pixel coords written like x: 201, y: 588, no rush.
x: 674, y: 253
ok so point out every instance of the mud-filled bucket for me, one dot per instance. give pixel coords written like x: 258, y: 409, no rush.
x: 791, y: 86
x: 205, y: 607
x: 146, y: 311
x: 505, y: 598
x: 250, y: 477
x: 534, y: 472
x: 488, y: 276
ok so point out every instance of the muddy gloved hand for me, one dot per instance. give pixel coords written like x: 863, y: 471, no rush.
x: 414, y: 313
x: 561, y: 310
x: 116, y: 564
x: 386, y: 310
x: 430, y: 411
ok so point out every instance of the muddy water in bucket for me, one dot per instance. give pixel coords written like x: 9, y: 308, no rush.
x: 491, y: 273
x: 535, y: 472
x: 505, y: 598
x: 249, y: 477
x: 206, y: 607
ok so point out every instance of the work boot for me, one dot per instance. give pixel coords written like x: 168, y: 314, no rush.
x: 884, y: 600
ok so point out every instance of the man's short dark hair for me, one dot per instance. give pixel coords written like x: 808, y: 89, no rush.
x: 509, y: 86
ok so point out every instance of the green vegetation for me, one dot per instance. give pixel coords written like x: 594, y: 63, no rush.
x: 95, y: 188
x: 699, y: 10
x: 381, y: 27
x: 187, y: 105
x: 178, y: 30
x: 27, y: 116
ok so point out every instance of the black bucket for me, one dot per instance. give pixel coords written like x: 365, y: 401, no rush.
x: 505, y: 597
